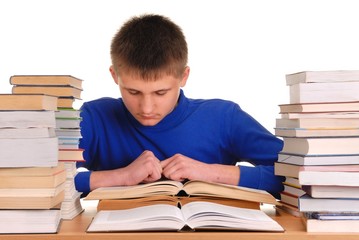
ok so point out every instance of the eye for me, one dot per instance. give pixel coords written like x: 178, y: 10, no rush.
x: 133, y: 92
x: 161, y: 93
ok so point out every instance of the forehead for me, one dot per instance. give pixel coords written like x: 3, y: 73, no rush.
x: 136, y: 82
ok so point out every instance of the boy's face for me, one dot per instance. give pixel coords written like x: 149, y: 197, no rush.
x: 149, y: 101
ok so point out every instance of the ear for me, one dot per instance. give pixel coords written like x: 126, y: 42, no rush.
x: 113, y: 74
x: 185, y: 76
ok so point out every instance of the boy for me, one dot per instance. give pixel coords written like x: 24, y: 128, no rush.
x: 154, y: 131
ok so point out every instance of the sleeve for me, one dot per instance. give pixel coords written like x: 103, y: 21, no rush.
x: 255, y: 144
x: 82, y: 179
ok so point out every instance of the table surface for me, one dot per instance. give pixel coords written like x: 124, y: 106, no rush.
x: 76, y: 229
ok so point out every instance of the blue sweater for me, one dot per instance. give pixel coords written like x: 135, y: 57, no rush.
x: 211, y: 131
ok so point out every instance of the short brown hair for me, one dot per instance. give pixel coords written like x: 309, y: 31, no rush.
x: 150, y: 45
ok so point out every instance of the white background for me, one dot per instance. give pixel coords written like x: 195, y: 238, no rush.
x: 238, y: 50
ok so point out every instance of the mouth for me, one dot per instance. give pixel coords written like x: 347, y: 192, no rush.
x: 147, y: 117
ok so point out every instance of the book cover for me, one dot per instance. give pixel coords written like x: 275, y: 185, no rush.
x: 59, y: 91
x: 10, y: 102
x: 54, y: 80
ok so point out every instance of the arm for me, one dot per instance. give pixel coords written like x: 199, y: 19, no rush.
x: 180, y: 167
x: 146, y: 168
x: 99, y: 159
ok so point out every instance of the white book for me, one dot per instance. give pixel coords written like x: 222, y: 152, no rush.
x: 29, y: 152
x: 29, y: 221
x: 322, y: 191
x: 324, y: 92
x: 27, y: 119
x: 194, y: 215
x: 322, y: 76
x: 314, y: 225
x: 27, y: 132
x: 310, y: 204
x: 68, y: 122
x: 316, y: 160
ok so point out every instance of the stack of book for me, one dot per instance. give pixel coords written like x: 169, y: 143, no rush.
x: 172, y: 206
x: 32, y: 180
x: 320, y: 157
x: 67, y: 89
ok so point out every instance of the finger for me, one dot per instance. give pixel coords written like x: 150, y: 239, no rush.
x: 164, y: 163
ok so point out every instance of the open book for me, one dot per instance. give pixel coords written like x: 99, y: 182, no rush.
x: 180, y: 193
x: 192, y: 216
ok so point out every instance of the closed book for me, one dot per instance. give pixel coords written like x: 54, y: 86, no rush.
x: 322, y: 76
x: 68, y: 122
x: 67, y: 113
x: 339, y: 175
x: 59, y: 91
x: 290, y: 209
x: 323, y: 191
x: 54, y: 80
x: 27, y: 119
x: 32, y: 192
x: 42, y: 181
x: 31, y: 202
x: 289, y: 199
x: 316, y: 160
x: 295, y: 191
x: 319, y: 107
x: 29, y: 152
x: 29, y: 221
x: 331, y: 115
x: 314, y: 225
x: 317, y: 132
x: 315, y: 123
x: 336, y: 175
x: 32, y: 132
x: 324, y: 92
x: 321, y: 146
x: 68, y: 133
x: 71, y: 154
x: 309, y: 204
x: 32, y: 171
x: 65, y: 102
x: 10, y: 102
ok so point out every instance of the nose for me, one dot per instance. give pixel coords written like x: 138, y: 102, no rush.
x: 147, y: 105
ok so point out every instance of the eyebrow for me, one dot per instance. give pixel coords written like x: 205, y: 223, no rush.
x: 159, y: 90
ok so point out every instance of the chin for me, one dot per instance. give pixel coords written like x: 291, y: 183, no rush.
x: 149, y: 123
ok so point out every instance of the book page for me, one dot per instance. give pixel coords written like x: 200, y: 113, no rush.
x: 206, y: 215
x: 166, y: 187
x: 158, y: 217
x: 200, y: 188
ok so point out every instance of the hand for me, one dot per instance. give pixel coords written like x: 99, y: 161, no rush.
x: 146, y: 168
x: 180, y: 168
